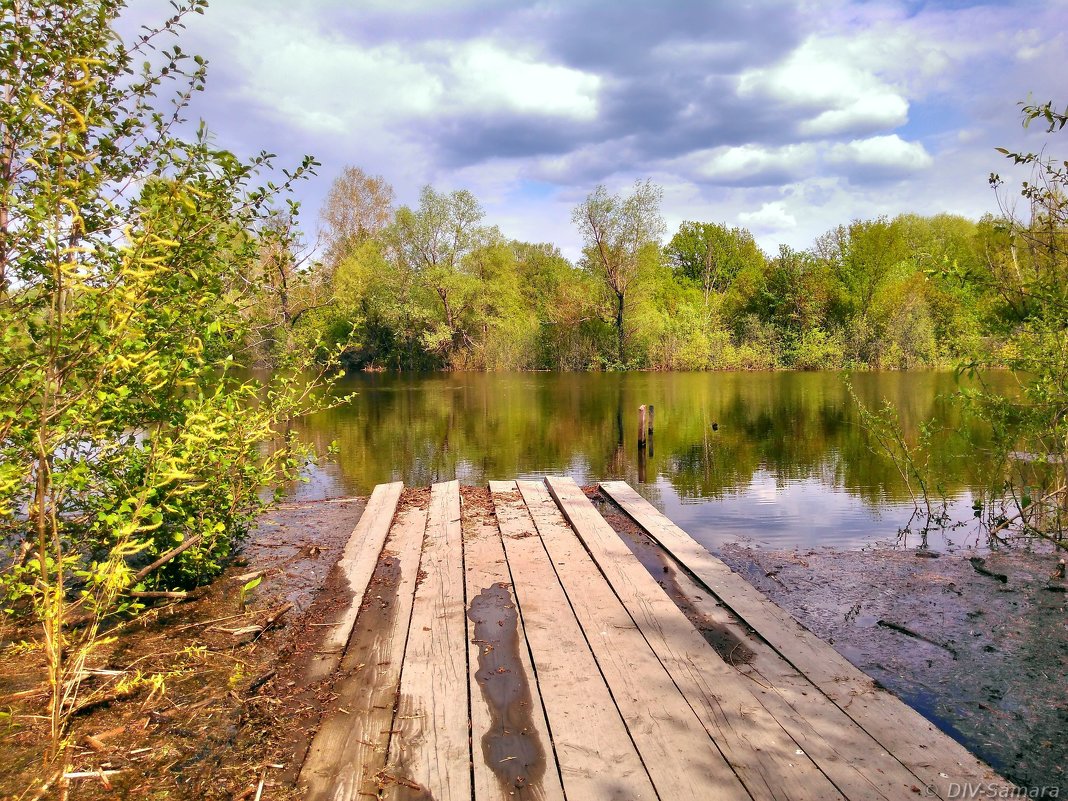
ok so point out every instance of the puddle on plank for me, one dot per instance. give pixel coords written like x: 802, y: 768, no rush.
x: 511, y: 747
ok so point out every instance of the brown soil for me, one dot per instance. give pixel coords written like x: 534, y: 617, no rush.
x: 191, y: 700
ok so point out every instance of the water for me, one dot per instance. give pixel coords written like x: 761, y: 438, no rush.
x: 789, y: 466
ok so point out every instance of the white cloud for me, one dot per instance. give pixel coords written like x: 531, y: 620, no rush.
x: 750, y: 163
x: 869, y: 108
x: 830, y: 93
x: 771, y: 216
x: 324, y: 83
x: 484, y: 75
x: 888, y: 155
x: 870, y: 112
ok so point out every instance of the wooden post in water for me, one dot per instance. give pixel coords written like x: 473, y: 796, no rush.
x: 641, y: 443
x: 651, y: 410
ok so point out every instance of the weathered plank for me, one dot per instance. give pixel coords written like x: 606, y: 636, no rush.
x: 857, y: 765
x: 351, y: 744
x: 769, y: 762
x: 938, y: 761
x: 596, y: 756
x: 429, y: 750
x: 356, y: 564
x: 682, y: 760
x: 511, y: 749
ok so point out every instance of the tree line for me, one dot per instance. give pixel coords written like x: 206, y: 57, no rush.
x: 433, y: 286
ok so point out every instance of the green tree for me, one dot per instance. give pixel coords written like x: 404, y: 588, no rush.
x: 565, y: 303
x: 938, y: 244
x: 131, y: 453
x: 357, y: 207
x: 711, y: 254
x: 775, y: 305
x: 291, y: 285
x: 500, y: 328
x: 618, y: 232
x: 377, y: 314
x: 432, y: 242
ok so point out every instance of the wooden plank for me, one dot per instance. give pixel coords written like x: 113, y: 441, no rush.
x: 768, y: 761
x: 857, y: 765
x: 511, y: 749
x: 942, y: 764
x: 596, y: 756
x: 351, y: 744
x: 429, y: 750
x: 681, y: 758
x: 356, y: 564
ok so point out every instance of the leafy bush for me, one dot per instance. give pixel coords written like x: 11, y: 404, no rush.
x: 817, y: 350
x: 132, y: 449
x: 1031, y: 319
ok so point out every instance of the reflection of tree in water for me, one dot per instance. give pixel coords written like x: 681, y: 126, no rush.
x: 796, y: 426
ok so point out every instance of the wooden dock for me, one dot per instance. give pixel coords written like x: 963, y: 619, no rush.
x: 518, y: 648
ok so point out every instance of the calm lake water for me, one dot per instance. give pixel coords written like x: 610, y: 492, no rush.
x: 789, y: 466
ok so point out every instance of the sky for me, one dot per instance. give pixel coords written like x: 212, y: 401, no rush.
x: 787, y: 117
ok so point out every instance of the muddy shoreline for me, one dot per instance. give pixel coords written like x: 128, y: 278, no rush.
x: 983, y: 658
